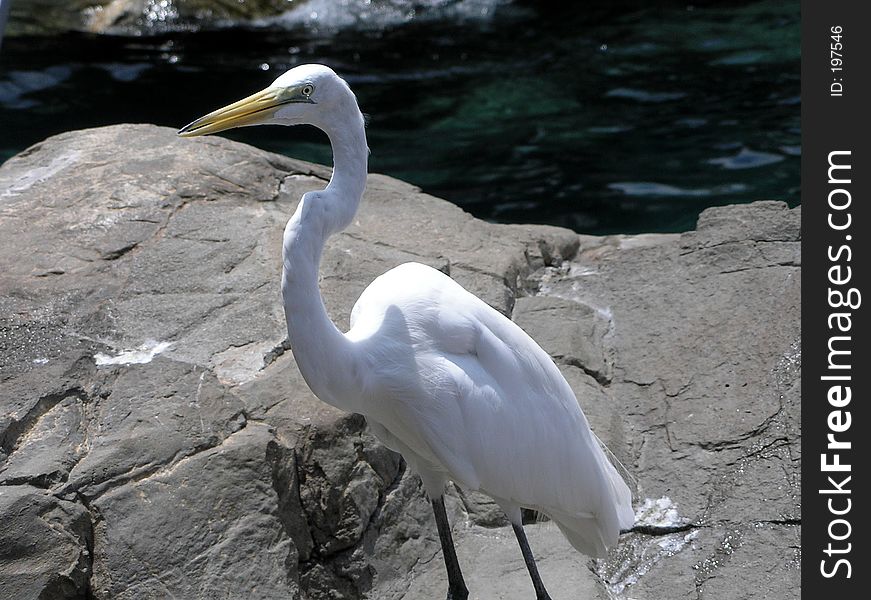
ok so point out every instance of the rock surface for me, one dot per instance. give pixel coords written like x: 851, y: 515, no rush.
x: 157, y: 440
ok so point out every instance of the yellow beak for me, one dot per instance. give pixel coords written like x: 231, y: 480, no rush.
x: 255, y: 109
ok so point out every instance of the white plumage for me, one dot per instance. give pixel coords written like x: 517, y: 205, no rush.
x: 442, y: 378
x: 465, y: 394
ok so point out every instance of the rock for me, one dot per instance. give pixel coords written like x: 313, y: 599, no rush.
x: 157, y: 439
x: 704, y: 344
x: 493, y: 567
x: 45, y: 545
x: 571, y: 332
x: 224, y: 513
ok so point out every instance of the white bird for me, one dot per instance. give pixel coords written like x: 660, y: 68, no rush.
x: 457, y: 388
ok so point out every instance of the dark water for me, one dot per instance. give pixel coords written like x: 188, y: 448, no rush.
x: 599, y: 116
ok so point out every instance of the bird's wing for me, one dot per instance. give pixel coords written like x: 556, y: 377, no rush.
x: 523, y: 434
x: 477, y: 395
x: 530, y: 441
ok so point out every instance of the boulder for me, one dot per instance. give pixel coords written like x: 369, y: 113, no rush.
x: 45, y: 545
x: 157, y: 439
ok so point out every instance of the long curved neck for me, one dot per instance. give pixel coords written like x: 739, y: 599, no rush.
x: 350, y: 165
x: 324, y: 355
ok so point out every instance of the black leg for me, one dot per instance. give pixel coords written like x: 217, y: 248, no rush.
x: 456, y: 586
x: 540, y: 592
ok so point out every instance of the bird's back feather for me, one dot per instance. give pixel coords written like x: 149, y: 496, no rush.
x: 471, y: 395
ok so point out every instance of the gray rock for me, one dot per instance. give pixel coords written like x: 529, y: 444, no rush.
x: 493, y: 567
x: 45, y: 545
x: 572, y: 332
x: 156, y: 437
x: 176, y: 533
x: 704, y: 403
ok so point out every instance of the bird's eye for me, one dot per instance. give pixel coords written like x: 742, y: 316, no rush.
x: 307, y: 90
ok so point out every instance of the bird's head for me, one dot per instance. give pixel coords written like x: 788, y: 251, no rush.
x: 302, y: 96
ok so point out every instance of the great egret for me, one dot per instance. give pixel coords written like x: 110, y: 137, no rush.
x: 457, y: 388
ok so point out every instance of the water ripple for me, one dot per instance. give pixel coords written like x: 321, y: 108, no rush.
x: 746, y: 159
x: 643, y: 95
x: 652, y: 188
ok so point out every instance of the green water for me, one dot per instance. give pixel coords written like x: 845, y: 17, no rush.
x: 598, y: 116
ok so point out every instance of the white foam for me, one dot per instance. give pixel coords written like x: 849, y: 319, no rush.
x: 334, y: 15
x: 671, y: 545
x: 140, y: 356
x: 641, y: 553
x: 661, y: 512
x: 645, y: 557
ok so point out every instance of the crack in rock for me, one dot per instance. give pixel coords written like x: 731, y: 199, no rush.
x: 17, y: 429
